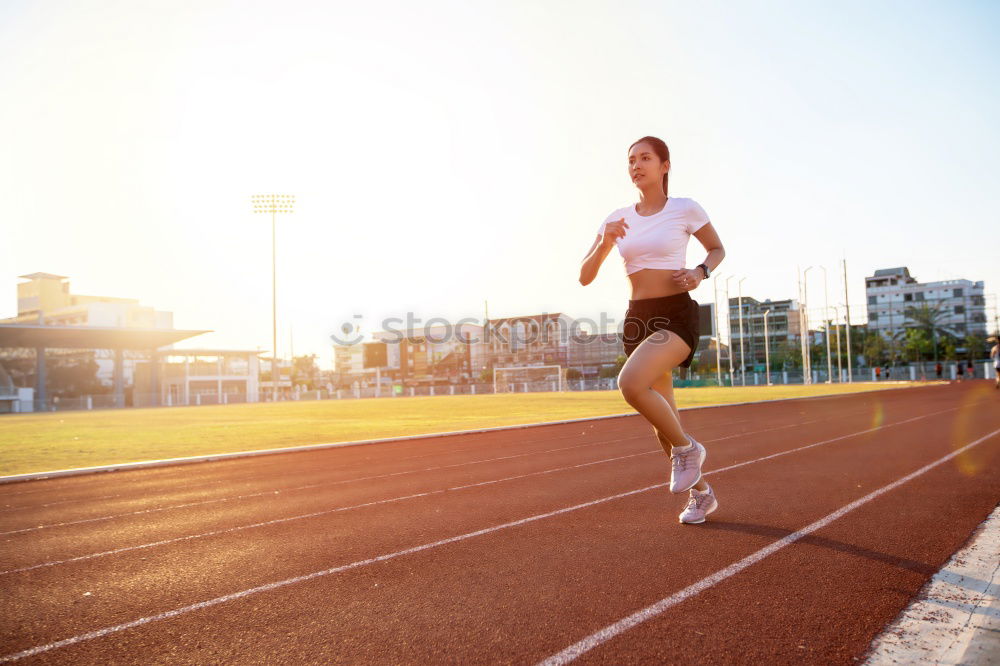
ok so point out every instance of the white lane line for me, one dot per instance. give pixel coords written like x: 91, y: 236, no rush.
x: 190, y: 487
x: 4, y: 492
x: 324, y: 484
x: 381, y: 558
x: 623, y: 625
x: 315, y: 514
x: 139, y: 490
x: 30, y: 507
x: 299, y: 579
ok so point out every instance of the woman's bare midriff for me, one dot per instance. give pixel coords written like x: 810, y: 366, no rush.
x: 654, y: 283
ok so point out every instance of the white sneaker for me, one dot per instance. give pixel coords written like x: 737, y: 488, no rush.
x: 685, y: 466
x: 699, y: 505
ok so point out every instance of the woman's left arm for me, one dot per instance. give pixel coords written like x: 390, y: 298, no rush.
x: 690, y: 278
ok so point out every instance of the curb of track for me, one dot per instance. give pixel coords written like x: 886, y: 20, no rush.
x: 954, y: 617
x: 117, y: 467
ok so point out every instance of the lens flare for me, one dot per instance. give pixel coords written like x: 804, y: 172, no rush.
x: 878, y: 414
x: 963, y: 429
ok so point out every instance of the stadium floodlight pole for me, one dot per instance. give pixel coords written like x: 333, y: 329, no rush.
x: 273, y: 204
x: 847, y: 324
x: 729, y: 332
x: 826, y: 320
x: 743, y: 363
x: 718, y: 335
x: 767, y: 349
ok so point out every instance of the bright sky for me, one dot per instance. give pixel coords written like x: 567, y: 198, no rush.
x: 448, y: 153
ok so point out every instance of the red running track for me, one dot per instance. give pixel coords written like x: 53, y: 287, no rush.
x: 512, y: 546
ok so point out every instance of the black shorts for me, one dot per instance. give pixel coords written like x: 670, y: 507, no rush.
x: 677, y: 314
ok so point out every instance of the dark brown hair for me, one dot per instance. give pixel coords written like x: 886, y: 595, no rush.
x: 661, y: 150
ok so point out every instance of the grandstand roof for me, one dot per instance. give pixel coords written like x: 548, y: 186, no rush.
x: 90, y: 337
x: 206, y: 351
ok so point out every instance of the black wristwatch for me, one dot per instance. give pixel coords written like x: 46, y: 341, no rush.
x: 704, y: 269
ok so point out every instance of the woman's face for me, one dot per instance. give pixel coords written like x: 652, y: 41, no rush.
x: 645, y: 167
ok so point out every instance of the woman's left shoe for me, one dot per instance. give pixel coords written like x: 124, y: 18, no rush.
x: 685, y: 466
x: 699, y: 505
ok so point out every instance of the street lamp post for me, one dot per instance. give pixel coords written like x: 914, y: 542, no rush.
x: 840, y: 367
x: 767, y: 350
x: 826, y: 319
x: 743, y: 363
x: 273, y: 204
x: 847, y: 325
x: 729, y: 332
x: 804, y: 328
x: 718, y: 334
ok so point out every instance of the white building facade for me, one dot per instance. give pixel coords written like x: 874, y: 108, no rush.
x: 891, y: 291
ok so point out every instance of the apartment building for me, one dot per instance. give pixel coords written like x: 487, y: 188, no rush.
x: 782, y: 327
x: 891, y: 291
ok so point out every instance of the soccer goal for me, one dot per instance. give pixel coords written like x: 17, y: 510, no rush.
x: 527, y: 378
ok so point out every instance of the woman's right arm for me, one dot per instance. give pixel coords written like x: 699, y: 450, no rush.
x: 595, y: 257
x: 612, y: 231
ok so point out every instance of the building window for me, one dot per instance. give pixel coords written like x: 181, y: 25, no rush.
x: 907, y: 297
x: 959, y: 309
x: 872, y: 300
x: 920, y: 296
x: 956, y: 293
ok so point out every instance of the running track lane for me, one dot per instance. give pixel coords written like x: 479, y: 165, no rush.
x: 167, y: 522
x: 319, y: 477
x: 524, y: 593
x: 307, y: 465
x: 80, y: 498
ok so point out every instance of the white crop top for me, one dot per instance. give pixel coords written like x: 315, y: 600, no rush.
x: 659, y: 240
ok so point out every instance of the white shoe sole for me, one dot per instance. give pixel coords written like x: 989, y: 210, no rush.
x: 684, y: 490
x: 699, y: 522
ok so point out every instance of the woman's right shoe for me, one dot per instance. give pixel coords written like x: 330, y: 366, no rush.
x: 699, y: 505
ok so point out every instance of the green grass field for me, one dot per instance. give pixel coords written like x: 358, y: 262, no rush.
x: 71, y: 439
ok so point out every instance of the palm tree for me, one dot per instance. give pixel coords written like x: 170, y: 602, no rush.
x: 973, y: 345
x: 898, y: 339
x: 928, y: 318
x: 873, y: 348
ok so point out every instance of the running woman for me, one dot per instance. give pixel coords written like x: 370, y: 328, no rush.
x: 660, y: 331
